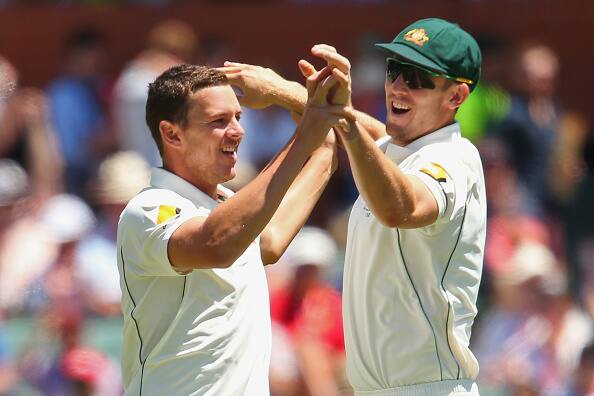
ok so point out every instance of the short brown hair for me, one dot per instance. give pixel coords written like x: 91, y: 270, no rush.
x: 168, y: 95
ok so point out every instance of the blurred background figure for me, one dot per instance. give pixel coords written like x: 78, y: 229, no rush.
x: 26, y: 251
x: 308, y: 344
x: 169, y: 43
x: 531, y: 339
x: 530, y: 129
x: 56, y: 362
x: 78, y: 103
x: 490, y: 101
x: 26, y: 133
x: 583, y: 379
x: 121, y: 176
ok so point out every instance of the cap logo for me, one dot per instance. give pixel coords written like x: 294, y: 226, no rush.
x: 417, y: 36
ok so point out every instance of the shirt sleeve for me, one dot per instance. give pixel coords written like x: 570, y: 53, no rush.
x: 148, y: 229
x: 443, y: 178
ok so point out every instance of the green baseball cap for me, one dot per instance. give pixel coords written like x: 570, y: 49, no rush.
x: 440, y: 46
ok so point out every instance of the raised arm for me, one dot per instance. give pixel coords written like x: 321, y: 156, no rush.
x: 262, y: 87
x: 396, y: 199
x: 225, y: 234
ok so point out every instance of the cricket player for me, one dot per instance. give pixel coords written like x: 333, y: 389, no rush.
x: 191, y: 252
x: 416, y: 233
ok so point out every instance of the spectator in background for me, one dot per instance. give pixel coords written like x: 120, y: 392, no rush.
x: 66, y: 220
x: 57, y: 362
x: 26, y: 135
x: 169, y: 43
x: 78, y: 108
x: 579, y: 227
x: 530, y: 129
x: 489, y: 103
x: 532, y: 337
x: 308, y: 343
x: 26, y: 250
x: 121, y: 176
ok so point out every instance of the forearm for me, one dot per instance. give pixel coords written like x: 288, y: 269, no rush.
x: 292, y: 97
x: 236, y: 223
x: 297, y: 205
x: 386, y: 189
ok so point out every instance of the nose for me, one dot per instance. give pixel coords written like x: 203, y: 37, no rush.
x: 235, y: 130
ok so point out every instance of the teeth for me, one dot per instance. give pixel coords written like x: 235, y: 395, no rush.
x: 400, y: 106
x: 228, y: 149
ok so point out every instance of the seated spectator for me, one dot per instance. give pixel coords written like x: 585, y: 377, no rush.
x: 121, y: 176
x: 308, y: 344
x: 532, y: 337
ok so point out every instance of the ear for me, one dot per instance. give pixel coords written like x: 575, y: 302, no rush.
x: 458, y: 95
x: 170, y: 134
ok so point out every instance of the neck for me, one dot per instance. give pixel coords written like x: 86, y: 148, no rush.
x: 208, y: 189
x: 406, y: 140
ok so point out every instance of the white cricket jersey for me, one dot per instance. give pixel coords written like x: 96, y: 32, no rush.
x: 409, y: 297
x: 204, y: 333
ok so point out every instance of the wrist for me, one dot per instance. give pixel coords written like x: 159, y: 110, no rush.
x: 291, y: 96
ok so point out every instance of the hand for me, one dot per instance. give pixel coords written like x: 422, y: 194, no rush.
x: 261, y: 87
x: 320, y: 116
x: 337, y: 65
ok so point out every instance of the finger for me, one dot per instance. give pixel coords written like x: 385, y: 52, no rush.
x: 333, y: 58
x: 230, y: 69
x: 326, y: 47
x: 306, y: 68
x: 320, y: 95
x: 237, y: 64
x: 315, y: 79
x: 340, y: 76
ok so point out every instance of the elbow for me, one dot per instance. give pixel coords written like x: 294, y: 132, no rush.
x: 270, y: 254
x: 221, y: 258
x: 393, y: 218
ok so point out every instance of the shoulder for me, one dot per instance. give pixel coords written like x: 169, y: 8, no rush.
x: 151, y: 205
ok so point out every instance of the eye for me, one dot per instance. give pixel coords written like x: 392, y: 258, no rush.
x: 218, y: 122
x: 238, y: 116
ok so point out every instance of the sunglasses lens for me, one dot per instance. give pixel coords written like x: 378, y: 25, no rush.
x: 413, y: 77
x: 392, y: 69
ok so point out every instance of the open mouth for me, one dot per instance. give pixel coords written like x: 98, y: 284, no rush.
x: 400, y: 108
x: 230, y: 151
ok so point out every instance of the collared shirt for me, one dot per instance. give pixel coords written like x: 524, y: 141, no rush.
x: 409, y: 297
x: 204, y: 333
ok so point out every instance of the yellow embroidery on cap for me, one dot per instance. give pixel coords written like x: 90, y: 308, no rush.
x: 417, y: 36
x: 436, y: 171
x: 166, y: 212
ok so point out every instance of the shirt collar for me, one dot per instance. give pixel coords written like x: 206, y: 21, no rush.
x: 161, y: 178
x: 447, y: 133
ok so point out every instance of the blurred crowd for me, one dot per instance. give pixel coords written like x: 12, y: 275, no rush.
x: 73, y: 153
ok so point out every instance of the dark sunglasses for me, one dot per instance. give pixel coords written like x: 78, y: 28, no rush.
x: 415, y: 77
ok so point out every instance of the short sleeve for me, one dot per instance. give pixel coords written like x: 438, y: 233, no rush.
x: 146, y: 231
x: 437, y: 179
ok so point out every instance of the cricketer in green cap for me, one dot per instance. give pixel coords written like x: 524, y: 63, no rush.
x: 439, y: 46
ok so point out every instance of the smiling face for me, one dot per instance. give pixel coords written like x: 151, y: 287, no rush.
x: 412, y: 113
x: 203, y: 149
